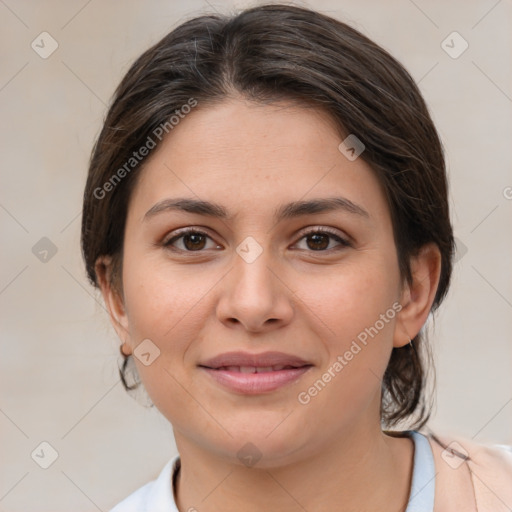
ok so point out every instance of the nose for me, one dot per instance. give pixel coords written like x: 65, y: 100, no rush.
x: 255, y: 295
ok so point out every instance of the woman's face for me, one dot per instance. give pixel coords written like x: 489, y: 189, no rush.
x: 259, y: 281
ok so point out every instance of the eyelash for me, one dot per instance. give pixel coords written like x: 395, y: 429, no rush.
x: 324, y: 231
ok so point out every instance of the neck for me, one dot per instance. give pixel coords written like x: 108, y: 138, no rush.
x: 366, y: 470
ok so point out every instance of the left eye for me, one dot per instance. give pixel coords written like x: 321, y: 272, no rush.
x: 319, y: 239
x: 194, y: 240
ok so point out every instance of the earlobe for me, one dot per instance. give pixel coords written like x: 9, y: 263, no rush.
x: 418, y: 295
x: 112, y: 297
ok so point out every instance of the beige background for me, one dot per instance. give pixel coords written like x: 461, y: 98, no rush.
x: 59, y: 380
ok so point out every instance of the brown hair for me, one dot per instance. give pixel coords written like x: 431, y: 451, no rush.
x: 281, y: 52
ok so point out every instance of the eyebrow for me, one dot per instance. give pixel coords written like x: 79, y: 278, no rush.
x: 287, y: 211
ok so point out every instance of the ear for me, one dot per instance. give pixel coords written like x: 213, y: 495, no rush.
x: 418, y: 296
x: 113, y: 299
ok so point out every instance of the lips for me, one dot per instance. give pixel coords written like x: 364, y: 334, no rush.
x: 256, y: 369
x: 246, y: 373
x: 246, y: 362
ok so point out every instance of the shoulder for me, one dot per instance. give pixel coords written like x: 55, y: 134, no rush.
x: 155, y: 496
x: 474, y: 471
x: 135, y: 502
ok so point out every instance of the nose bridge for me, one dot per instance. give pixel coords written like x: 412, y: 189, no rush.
x: 253, y: 279
x: 254, y: 293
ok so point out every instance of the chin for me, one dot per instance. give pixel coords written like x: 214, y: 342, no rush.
x: 261, y: 448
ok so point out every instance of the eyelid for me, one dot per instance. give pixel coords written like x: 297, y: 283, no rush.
x: 324, y: 229
x: 343, y: 240
x: 178, y: 233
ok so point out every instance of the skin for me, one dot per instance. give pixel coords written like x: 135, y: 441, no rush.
x: 295, y: 298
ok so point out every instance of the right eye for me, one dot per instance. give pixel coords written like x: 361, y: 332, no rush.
x: 193, y: 240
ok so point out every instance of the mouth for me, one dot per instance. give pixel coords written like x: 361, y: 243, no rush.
x: 255, y: 369
x: 244, y: 373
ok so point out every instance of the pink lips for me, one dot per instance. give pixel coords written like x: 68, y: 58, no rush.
x: 255, y: 373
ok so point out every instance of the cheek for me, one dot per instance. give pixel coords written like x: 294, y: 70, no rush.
x: 351, y: 297
x: 160, y: 299
x: 355, y: 307
x: 163, y: 305
x: 357, y: 322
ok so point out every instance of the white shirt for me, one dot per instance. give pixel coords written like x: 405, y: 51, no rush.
x: 157, y: 495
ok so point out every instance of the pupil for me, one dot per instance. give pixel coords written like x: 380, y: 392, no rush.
x: 195, y: 239
x: 316, y: 238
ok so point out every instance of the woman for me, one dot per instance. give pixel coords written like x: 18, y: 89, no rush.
x: 266, y: 216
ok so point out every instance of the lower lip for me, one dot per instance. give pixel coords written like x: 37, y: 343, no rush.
x: 254, y: 383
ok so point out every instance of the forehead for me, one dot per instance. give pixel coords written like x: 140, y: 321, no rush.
x: 241, y: 153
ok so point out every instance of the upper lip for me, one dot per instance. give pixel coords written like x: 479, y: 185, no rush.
x: 264, y: 359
